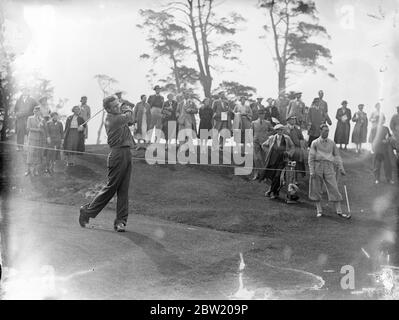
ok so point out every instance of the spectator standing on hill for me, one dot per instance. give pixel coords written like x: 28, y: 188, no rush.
x: 142, y: 119
x: 36, y: 141
x: 296, y: 108
x: 222, y: 116
x: 74, y: 139
x: 377, y: 118
x: 206, y: 116
x: 382, y: 148
x: 343, y: 129
x: 262, y: 130
x: 295, y: 133
x: 317, y: 116
x: 169, y: 125
x: 23, y: 109
x: 85, y: 113
x: 156, y: 102
x: 55, y: 133
x: 281, y: 104
x: 272, y: 114
x: 359, y: 134
x: 256, y: 107
x: 281, y: 148
x: 242, y: 119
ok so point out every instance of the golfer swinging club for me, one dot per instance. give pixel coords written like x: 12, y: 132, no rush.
x: 119, y: 165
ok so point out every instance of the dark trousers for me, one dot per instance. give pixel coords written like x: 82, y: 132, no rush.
x: 20, y: 127
x: 380, y: 158
x: 119, y: 170
x: 276, y: 185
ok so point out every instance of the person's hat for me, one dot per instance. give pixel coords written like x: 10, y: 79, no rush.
x: 361, y: 105
x: 43, y: 99
x: 83, y: 97
x: 118, y: 92
x: 291, y: 117
x: 269, y: 99
x: 157, y: 87
x: 278, y: 126
x: 298, y: 93
x: 259, y: 98
x: 75, y: 107
x: 37, y: 108
x: 344, y: 102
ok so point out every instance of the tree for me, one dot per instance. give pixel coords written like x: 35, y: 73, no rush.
x: 236, y: 89
x: 42, y: 88
x: 294, y: 24
x: 105, y: 83
x: 205, y: 27
x: 7, y: 83
x: 168, y: 40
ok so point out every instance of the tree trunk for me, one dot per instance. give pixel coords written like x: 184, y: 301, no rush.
x: 207, y: 85
x: 281, y: 78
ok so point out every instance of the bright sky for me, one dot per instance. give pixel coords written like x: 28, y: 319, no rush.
x: 70, y: 41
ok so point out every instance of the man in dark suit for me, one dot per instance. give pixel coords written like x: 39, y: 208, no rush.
x: 23, y: 109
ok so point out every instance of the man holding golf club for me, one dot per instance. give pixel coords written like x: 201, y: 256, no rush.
x: 119, y: 165
x: 323, y: 159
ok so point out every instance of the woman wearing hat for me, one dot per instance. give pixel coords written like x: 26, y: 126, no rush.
x: 281, y: 148
x: 242, y: 118
x: 262, y: 130
x: 36, y: 141
x: 74, y: 139
x: 142, y: 119
x: 85, y: 112
x: 185, y: 114
x: 343, y: 129
x: 359, y: 134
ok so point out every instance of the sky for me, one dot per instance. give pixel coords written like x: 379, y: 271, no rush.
x: 69, y: 41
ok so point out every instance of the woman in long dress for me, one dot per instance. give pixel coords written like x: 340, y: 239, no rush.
x: 185, y: 114
x: 36, y: 141
x: 343, y: 129
x: 359, y: 134
x: 142, y: 119
x: 74, y: 139
x: 242, y: 119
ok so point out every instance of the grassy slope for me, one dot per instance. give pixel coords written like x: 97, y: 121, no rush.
x: 215, y: 198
